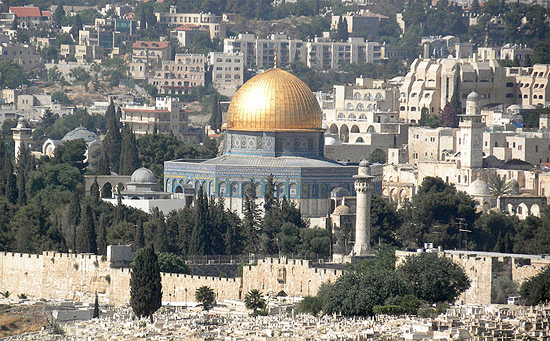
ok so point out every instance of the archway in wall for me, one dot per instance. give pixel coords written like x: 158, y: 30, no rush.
x: 334, y: 129
x: 344, y: 133
x: 179, y: 189
x: 355, y: 129
x: 370, y: 129
x: 107, y: 191
x: 535, y: 210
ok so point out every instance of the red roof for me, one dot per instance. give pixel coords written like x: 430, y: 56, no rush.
x: 190, y: 27
x: 25, y: 12
x: 150, y: 44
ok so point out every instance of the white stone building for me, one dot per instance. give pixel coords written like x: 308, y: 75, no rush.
x: 211, y: 22
x: 227, y: 71
x: 168, y: 115
x: 178, y: 76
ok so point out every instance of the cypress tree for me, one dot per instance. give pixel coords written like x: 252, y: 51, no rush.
x: 94, y: 190
x: 129, y: 160
x: 139, y: 238
x: 197, y: 244
x: 59, y: 13
x: 119, y: 209
x: 269, y: 195
x: 102, y: 235
x: 145, y: 283
x: 74, y: 218
x: 87, y: 239
x: 216, y: 118
x: 251, y: 217
x: 103, y: 163
x: 25, y: 164
x: 6, y: 168
x: 11, y: 188
x: 113, y: 140
x: 96, y: 307
x: 455, y: 98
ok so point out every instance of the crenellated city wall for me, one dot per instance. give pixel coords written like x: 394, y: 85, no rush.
x: 53, y: 275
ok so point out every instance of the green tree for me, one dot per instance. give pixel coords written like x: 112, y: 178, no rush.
x: 113, y: 140
x: 216, y: 118
x: 342, y: 29
x: 449, y: 117
x: 129, y: 158
x: 434, y: 278
x: 199, y: 243
x: 206, y: 296
x: 58, y: 14
x: 169, y: 262
x: 11, y: 75
x: 145, y: 283
x: 72, y: 153
x: 254, y: 300
x: 95, y: 314
x: 310, y: 305
x: 139, y: 238
x: 536, y: 290
x: 498, y: 186
x: 251, y: 217
x: 86, y: 241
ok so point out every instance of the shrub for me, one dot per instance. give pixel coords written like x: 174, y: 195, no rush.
x: 22, y: 296
x: 388, y: 310
x: 108, y: 278
x: 311, y: 305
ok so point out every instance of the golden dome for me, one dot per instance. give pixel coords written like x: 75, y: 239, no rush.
x: 274, y: 101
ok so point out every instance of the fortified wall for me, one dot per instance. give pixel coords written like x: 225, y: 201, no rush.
x: 483, y: 268
x: 53, y: 275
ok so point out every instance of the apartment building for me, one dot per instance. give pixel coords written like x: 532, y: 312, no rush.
x: 23, y: 55
x: 529, y: 85
x: 362, y: 23
x: 320, y: 53
x: 109, y: 33
x: 168, y: 115
x: 27, y: 17
x: 178, y: 76
x: 211, y: 22
x: 431, y: 83
x: 147, y: 56
x: 227, y: 71
x: 186, y: 33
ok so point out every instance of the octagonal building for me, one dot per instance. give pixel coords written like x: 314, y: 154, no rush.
x: 274, y: 126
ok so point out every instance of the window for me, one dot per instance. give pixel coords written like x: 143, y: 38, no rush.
x: 509, y: 85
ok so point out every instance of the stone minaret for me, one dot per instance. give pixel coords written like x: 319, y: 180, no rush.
x: 21, y: 135
x: 362, y: 217
x: 471, y: 134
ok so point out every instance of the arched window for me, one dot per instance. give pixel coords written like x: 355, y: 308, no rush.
x: 341, y: 117
x: 355, y: 129
x: 359, y: 140
x: 349, y: 107
x: 222, y: 189
x: 352, y: 117
x: 360, y: 107
x: 379, y: 97
x: 293, y: 190
x: 357, y: 96
x: 369, y: 107
x: 362, y: 118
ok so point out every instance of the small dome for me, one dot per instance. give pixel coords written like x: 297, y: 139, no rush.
x: 514, y: 107
x: 341, y: 210
x: 332, y: 141
x: 529, y: 107
x: 479, y: 188
x: 473, y: 96
x: 144, y: 176
x: 495, y: 210
x: 80, y: 133
x: 324, y: 126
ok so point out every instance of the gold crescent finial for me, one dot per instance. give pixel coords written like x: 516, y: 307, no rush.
x: 275, y: 60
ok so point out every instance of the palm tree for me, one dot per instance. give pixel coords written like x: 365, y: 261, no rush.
x: 206, y: 296
x: 254, y: 300
x: 498, y: 186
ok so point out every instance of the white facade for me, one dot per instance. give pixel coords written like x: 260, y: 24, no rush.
x: 227, y: 71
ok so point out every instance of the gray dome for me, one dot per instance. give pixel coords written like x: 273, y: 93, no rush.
x: 479, y: 188
x: 473, y: 96
x: 332, y: 141
x: 341, y: 210
x: 80, y: 133
x: 143, y: 176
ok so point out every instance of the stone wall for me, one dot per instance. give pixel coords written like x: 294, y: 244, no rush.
x: 291, y: 276
x: 53, y: 275
x: 484, y: 267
